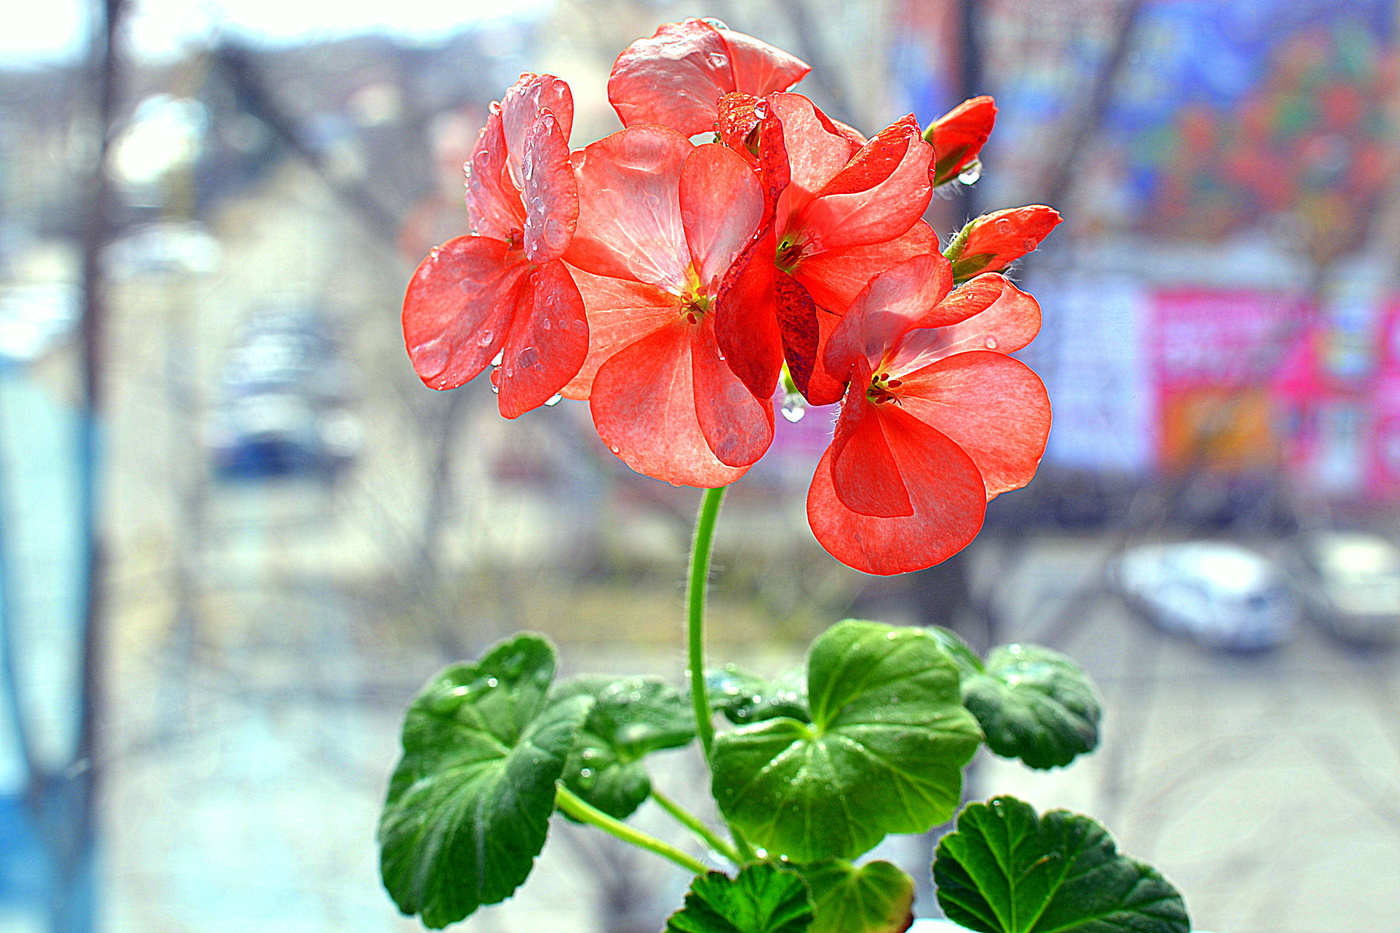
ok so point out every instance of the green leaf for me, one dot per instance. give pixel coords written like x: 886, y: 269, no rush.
x: 630, y: 719
x: 875, y: 898
x: 1006, y: 870
x: 762, y: 899
x: 469, y: 804
x: 967, y: 660
x: 747, y: 698
x: 883, y: 753
x: 1034, y: 704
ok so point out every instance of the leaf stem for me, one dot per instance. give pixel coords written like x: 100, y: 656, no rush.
x: 697, y: 826
x: 585, y: 812
x: 696, y: 585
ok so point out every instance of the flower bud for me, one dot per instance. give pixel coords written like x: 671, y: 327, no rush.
x: 958, y: 135
x: 994, y: 241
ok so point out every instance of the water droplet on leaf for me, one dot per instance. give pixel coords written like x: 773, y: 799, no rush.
x: 969, y: 175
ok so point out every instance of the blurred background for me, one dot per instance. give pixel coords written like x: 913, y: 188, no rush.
x: 237, y: 533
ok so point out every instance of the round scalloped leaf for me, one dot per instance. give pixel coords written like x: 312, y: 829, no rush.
x: 877, y: 897
x: 1034, y: 704
x: 747, y: 698
x: 761, y: 899
x: 469, y: 803
x: 883, y: 753
x: 630, y: 719
x: 1007, y: 870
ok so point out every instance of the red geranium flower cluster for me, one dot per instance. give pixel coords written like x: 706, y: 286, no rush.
x: 675, y: 285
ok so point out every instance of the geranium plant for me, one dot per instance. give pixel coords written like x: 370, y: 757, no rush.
x: 683, y: 289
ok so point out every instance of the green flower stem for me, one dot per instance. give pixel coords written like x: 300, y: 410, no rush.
x: 697, y: 826
x: 696, y: 585
x: 584, y: 812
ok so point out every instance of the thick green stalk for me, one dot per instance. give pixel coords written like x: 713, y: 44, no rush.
x: 697, y: 826
x: 585, y: 812
x: 696, y: 585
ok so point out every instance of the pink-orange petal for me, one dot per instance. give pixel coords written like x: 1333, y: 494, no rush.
x: 746, y: 327
x: 458, y: 308
x: 526, y: 98
x: 1005, y: 325
x: 864, y: 473
x: 643, y: 405
x: 760, y: 68
x: 894, y: 302
x: 629, y: 222
x: 675, y: 78
x: 878, y: 195
x: 992, y: 406
x: 815, y: 152
x: 737, y: 426
x: 620, y: 312
x: 546, y: 343
x: 946, y: 492
x: 550, y: 193
x: 493, y: 202
x: 721, y: 207
x: 835, y: 277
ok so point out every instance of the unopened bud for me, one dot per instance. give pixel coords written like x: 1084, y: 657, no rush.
x: 994, y: 241
x: 957, y: 137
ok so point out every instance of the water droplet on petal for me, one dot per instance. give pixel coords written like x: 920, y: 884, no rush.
x: 529, y: 358
x: 556, y: 233
x: 760, y: 109
x: 718, y: 59
x: 990, y: 343
x: 969, y: 175
x: 1004, y: 227
x: 614, y: 448
x: 715, y: 22
x: 496, y: 360
x: 553, y: 400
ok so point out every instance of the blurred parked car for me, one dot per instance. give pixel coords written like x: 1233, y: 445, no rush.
x: 1354, y: 587
x: 35, y: 318
x: 1219, y: 594
x: 284, y: 406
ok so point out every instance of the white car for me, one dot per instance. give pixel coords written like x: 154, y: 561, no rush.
x: 1355, y: 591
x: 1220, y: 594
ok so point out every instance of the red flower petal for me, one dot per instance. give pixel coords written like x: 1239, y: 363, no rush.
x: 945, y: 491
x: 1008, y: 323
x: 644, y: 408
x: 676, y: 77
x: 737, y: 426
x: 759, y: 68
x: 797, y: 320
x: 835, y: 277
x: 992, y: 406
x: 526, y: 98
x: 878, y: 195
x: 493, y: 202
x: 629, y: 209
x: 745, y: 326
x: 721, y: 206
x: 547, y: 341
x: 550, y: 193
x: 458, y: 307
x: 895, y: 301
x: 620, y: 312
x: 815, y: 150
x: 864, y: 473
